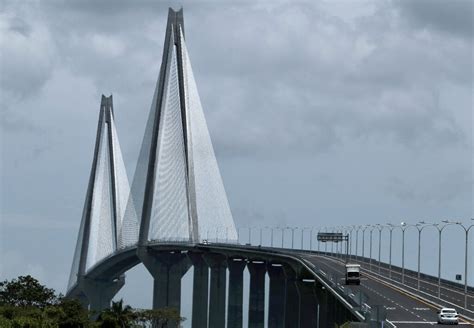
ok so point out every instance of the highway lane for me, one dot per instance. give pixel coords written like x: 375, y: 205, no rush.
x: 449, y: 293
x: 402, y: 309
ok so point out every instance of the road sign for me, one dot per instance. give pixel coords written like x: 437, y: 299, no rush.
x: 332, y: 236
x: 459, y: 277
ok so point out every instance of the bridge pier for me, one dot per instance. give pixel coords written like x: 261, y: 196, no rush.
x: 217, y: 263
x: 257, y: 271
x: 100, y: 293
x: 277, y: 296
x: 200, y: 290
x: 292, y: 299
x: 236, y: 292
x: 308, y: 315
x: 322, y: 295
x: 167, y: 269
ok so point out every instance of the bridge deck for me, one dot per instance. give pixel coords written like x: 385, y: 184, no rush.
x: 402, y: 309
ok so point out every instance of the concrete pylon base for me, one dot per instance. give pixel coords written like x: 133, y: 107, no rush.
x: 236, y: 292
x: 167, y: 269
x: 200, y: 290
x: 277, y: 296
x: 257, y: 271
x: 100, y: 293
x: 217, y: 263
x: 292, y: 308
x: 308, y: 302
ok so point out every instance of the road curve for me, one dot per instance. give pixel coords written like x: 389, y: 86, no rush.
x: 402, y: 309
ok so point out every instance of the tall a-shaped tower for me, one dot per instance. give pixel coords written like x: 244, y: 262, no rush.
x: 177, y: 190
x: 108, y: 191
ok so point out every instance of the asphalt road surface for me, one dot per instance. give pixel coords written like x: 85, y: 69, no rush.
x: 428, y: 285
x: 402, y: 309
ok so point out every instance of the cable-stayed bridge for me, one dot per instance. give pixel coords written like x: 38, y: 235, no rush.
x: 176, y: 205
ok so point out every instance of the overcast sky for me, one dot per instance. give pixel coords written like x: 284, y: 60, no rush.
x: 322, y: 113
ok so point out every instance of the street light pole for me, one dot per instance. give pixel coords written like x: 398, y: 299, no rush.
x: 404, y: 226
x: 271, y: 236
x: 282, y: 235
x: 420, y: 226
x: 332, y: 245
x: 391, y: 227
x: 302, y: 237
x: 293, y: 237
x: 403, y: 253
x: 326, y: 244
x: 390, y: 255
x: 380, y: 228
x: 350, y: 241
x: 440, y: 231
x: 465, y: 262
x: 466, y: 252
x: 363, y: 243
x: 370, y: 250
x: 357, y: 243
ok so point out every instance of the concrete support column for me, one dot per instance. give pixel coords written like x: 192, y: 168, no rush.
x: 200, y: 290
x: 217, y: 263
x: 257, y: 271
x: 236, y: 292
x: 308, y: 303
x: 323, y: 295
x: 167, y: 269
x: 292, y: 308
x: 100, y: 292
x: 277, y: 296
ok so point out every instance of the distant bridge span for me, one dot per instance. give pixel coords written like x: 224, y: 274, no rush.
x: 176, y: 198
x: 296, y: 290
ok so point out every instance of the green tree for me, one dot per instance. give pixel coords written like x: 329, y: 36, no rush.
x: 117, y: 316
x: 69, y: 313
x: 161, y: 318
x: 26, y: 291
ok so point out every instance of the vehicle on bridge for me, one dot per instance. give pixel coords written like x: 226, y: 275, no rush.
x: 448, y: 316
x: 352, y: 274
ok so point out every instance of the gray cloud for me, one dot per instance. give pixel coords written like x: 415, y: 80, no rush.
x: 313, y: 107
x: 454, y: 17
x: 440, y: 189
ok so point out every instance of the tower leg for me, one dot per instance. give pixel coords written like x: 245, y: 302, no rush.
x: 236, y: 292
x: 101, y: 292
x: 200, y: 290
x: 324, y: 306
x: 217, y: 264
x: 277, y: 296
x: 292, y: 299
x: 308, y: 304
x: 167, y: 269
x: 257, y: 271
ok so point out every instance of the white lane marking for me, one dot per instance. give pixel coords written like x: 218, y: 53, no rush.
x: 396, y: 303
x: 418, y: 292
x: 424, y: 322
x: 434, y: 284
x: 376, y: 292
x: 421, y: 309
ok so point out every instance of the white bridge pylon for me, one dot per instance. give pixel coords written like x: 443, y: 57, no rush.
x: 100, y: 232
x: 177, y: 192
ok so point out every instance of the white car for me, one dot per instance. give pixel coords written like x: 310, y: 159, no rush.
x: 448, y: 316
